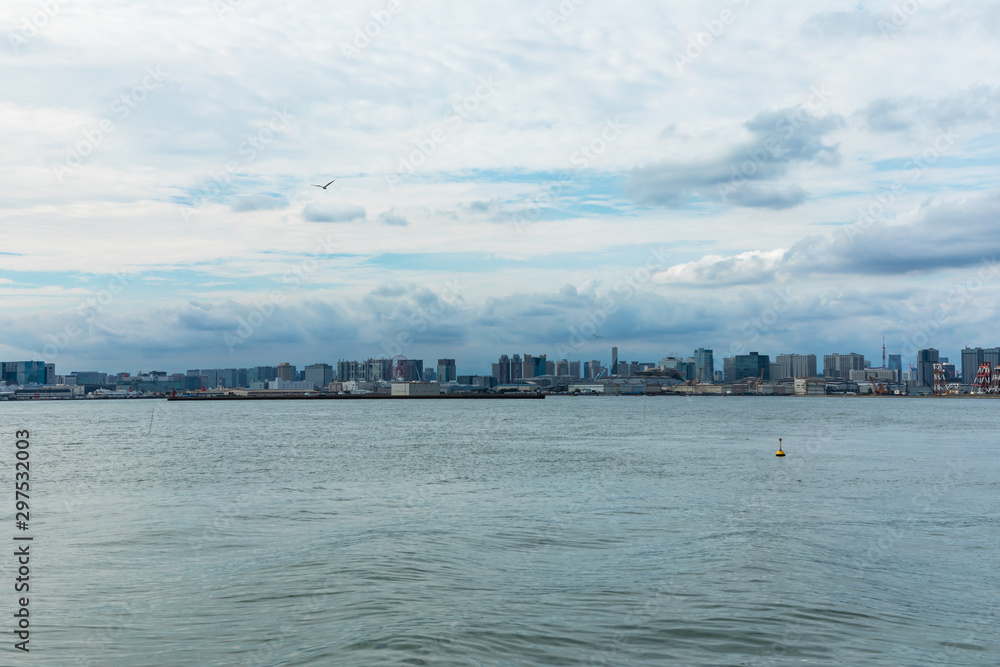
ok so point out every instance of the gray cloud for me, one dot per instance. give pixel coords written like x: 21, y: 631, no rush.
x: 746, y: 175
x: 947, y: 235
x: 332, y: 213
x: 259, y: 203
x: 978, y: 104
x: 390, y: 218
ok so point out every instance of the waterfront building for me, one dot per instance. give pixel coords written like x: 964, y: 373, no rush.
x: 896, y: 363
x: 574, y: 369
x: 550, y: 368
x: 516, y: 369
x: 704, y: 363
x: 614, y: 361
x: 286, y: 372
x: 796, y: 365
x: 887, y: 374
x: 925, y: 366
x: 320, y: 375
x: 751, y: 366
x: 729, y: 369
x: 447, y: 371
x: 562, y: 367
x: 841, y: 365
x: 25, y: 372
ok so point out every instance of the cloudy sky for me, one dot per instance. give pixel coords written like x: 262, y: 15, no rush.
x: 511, y: 177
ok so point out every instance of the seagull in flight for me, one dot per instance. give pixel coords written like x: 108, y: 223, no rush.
x: 323, y: 186
x: 596, y: 336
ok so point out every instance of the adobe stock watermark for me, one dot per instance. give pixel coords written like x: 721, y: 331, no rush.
x: 122, y: 108
x: 420, y: 319
x: 627, y: 286
x: 428, y: 145
x: 224, y: 7
x: 763, y: 322
x: 714, y: 29
x: 959, y: 296
x: 370, y: 31
x: 583, y: 157
x: 293, y: 279
x: 33, y: 25
x: 87, y: 311
x: 885, y: 197
x: 562, y: 13
x: 219, y: 182
x: 901, y: 15
x: 759, y: 156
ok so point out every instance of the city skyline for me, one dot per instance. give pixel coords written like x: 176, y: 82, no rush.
x: 525, y: 176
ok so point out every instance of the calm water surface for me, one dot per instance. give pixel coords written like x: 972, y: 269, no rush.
x: 589, y: 531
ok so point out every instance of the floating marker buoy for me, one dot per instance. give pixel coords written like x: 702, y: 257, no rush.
x: 780, y: 453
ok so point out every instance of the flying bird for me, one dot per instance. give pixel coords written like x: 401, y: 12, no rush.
x: 323, y: 186
x: 596, y: 336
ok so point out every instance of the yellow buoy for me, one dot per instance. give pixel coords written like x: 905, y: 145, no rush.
x: 780, y: 453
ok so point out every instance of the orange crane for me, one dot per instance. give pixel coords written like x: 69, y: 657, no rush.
x: 878, y: 387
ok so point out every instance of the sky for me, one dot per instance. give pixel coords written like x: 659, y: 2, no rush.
x: 511, y: 178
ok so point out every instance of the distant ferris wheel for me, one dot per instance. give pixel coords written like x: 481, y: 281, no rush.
x: 400, y: 369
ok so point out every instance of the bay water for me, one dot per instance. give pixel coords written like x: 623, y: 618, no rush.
x: 564, y: 531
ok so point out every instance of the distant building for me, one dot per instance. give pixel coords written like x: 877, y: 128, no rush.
x: 416, y: 389
x: 925, y: 366
x: 561, y: 367
x: 516, y: 369
x: 286, y: 372
x: 729, y: 369
x: 752, y: 366
x: 841, y: 365
x: 896, y: 363
x: 261, y: 374
x: 887, y: 374
x: 704, y: 364
x: 550, y: 368
x: 614, y: 361
x: 320, y: 375
x: 574, y: 369
x: 502, y: 370
x: 796, y: 365
x: 25, y: 372
x: 447, y: 371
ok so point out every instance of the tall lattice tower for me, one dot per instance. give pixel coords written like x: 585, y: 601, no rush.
x: 982, y: 384
x: 940, y: 381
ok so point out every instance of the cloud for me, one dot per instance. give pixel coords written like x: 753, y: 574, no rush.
x: 390, y: 218
x: 978, y: 104
x: 942, y: 236
x: 332, y: 213
x: 259, y: 203
x: 749, y: 174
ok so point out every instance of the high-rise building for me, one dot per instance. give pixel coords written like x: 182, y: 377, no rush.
x: 704, y: 365
x: 614, y: 361
x: 562, y: 367
x: 925, y: 366
x: 320, y: 375
x: 550, y: 368
x: 752, y: 366
x: 286, y: 372
x: 574, y: 369
x: 541, y: 365
x: 528, y: 367
x: 841, y: 365
x: 25, y: 372
x: 516, y: 371
x: 796, y: 365
x: 729, y: 369
x: 447, y: 371
x: 502, y: 373
x: 896, y: 364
